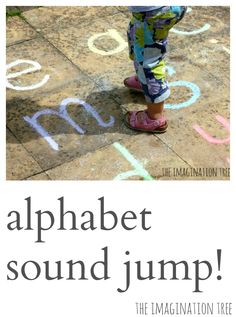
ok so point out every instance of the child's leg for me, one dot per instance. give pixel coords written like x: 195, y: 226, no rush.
x: 148, y: 40
x: 155, y: 110
x: 161, y: 25
x: 151, y: 70
x: 130, y: 37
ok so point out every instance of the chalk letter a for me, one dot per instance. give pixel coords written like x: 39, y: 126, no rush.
x: 113, y: 34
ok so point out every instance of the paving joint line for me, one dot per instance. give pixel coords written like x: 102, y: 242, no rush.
x: 168, y: 146
x: 35, y: 174
x: 22, y: 144
x: 67, y: 58
x: 72, y: 159
x: 65, y: 162
x: 22, y: 41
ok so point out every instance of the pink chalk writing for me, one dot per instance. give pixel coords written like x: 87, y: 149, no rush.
x: 211, y: 139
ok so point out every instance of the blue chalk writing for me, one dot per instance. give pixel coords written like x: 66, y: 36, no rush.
x: 205, y: 28
x: 63, y: 114
x: 196, y: 93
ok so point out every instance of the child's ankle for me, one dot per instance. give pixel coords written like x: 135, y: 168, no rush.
x: 154, y: 116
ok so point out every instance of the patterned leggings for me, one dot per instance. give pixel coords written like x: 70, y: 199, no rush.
x: 147, y: 38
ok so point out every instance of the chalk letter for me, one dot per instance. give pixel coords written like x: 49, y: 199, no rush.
x: 194, y: 32
x: 113, y: 34
x: 210, y: 138
x: 62, y: 113
x: 36, y: 66
x: 139, y: 170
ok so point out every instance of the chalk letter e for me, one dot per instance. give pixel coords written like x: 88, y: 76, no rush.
x: 36, y: 66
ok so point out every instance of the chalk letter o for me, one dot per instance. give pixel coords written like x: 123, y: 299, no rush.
x: 195, y: 90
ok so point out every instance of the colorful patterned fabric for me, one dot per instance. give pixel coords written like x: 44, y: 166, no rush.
x: 143, y: 9
x: 147, y: 38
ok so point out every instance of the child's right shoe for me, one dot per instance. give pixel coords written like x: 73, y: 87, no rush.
x: 144, y: 123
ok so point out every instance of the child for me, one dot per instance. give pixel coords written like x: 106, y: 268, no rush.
x: 147, y: 37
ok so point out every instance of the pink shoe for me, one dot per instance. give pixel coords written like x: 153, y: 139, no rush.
x: 133, y: 83
x: 145, y: 124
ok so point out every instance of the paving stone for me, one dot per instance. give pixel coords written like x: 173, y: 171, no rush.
x: 210, y: 49
x: 19, y: 163
x: 203, y: 112
x: 71, y: 142
x: 109, y: 70
x: 189, y: 144
x: 217, y: 16
x: 192, y: 148
x: 123, y: 9
x: 108, y: 163
x: 206, y: 57
x: 48, y: 19
x: 18, y: 30
x: 53, y: 64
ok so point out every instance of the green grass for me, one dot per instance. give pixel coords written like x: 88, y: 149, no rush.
x: 12, y: 12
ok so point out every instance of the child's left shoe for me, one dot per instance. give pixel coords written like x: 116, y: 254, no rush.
x: 133, y: 83
x: 139, y: 121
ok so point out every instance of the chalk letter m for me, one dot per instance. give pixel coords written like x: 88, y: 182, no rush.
x: 62, y: 113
